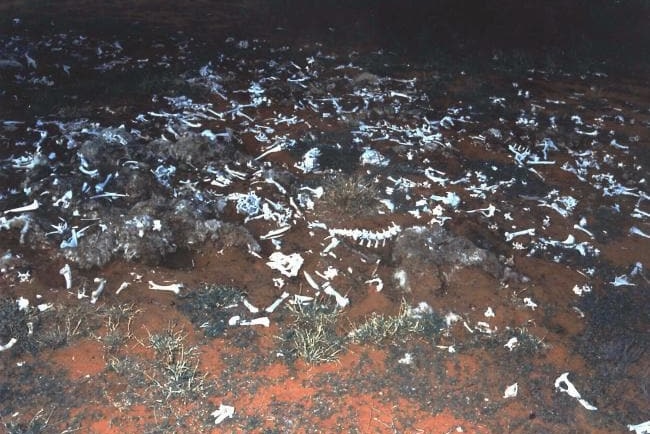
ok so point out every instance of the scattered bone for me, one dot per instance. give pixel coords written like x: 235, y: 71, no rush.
x: 174, y: 287
x: 66, y: 272
x: 636, y: 231
x: 31, y: 207
x: 563, y: 384
x: 122, y: 287
x: 277, y: 302
x: 9, y: 344
x: 249, y: 306
x: 224, y: 412
x: 263, y: 321
x: 379, y: 284
x: 642, y: 428
x: 512, y: 343
x: 97, y: 292
x: 511, y: 235
x: 275, y: 233
x: 288, y: 265
x: 341, y: 301
x: 311, y: 281
x: 511, y: 391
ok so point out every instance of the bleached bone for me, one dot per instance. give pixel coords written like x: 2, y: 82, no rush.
x: 528, y: 302
x: 379, y: 284
x: 250, y: 307
x: 511, y: 391
x: 31, y: 207
x: 371, y: 239
x: 487, y: 212
x: 224, y: 412
x: 44, y: 306
x: 122, y: 287
x: 642, y: 428
x: 636, y: 231
x: 512, y: 343
x: 277, y: 302
x: 288, y: 265
x: 563, y: 384
x: 263, y: 321
x: 311, y: 281
x: 581, y: 227
x: 275, y: 233
x: 66, y: 272
x: 9, y: 344
x: 511, y: 235
x: 22, y: 303
x: 97, y: 292
x: 332, y: 245
x: 301, y: 299
x: 174, y: 287
x: 340, y: 300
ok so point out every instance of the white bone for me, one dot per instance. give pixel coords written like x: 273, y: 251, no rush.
x: 379, y: 284
x: 277, y: 302
x: 263, y: 321
x: 636, y: 231
x: 288, y: 265
x: 44, y: 306
x: 642, y: 428
x: 311, y: 281
x: 122, y: 287
x: 31, y: 207
x: 487, y: 212
x: 340, y: 300
x: 335, y: 242
x: 528, y: 302
x: 174, y: 287
x: 275, y: 233
x: 97, y: 292
x: 301, y: 299
x: 224, y: 412
x: 250, y: 307
x: 511, y: 235
x: 512, y: 343
x: 9, y: 344
x: 511, y: 391
x: 563, y: 384
x: 66, y: 272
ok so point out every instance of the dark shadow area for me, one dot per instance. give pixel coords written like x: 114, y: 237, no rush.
x: 556, y: 31
x: 553, y: 34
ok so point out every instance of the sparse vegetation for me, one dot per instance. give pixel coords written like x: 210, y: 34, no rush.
x: 118, y: 319
x: 37, y: 424
x: 379, y: 327
x: 313, y: 336
x: 351, y: 195
x: 180, y: 375
x: 69, y: 323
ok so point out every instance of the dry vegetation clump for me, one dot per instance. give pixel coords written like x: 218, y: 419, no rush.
x: 313, y: 336
x: 349, y: 195
x: 378, y: 328
x: 179, y: 375
x: 118, y: 320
